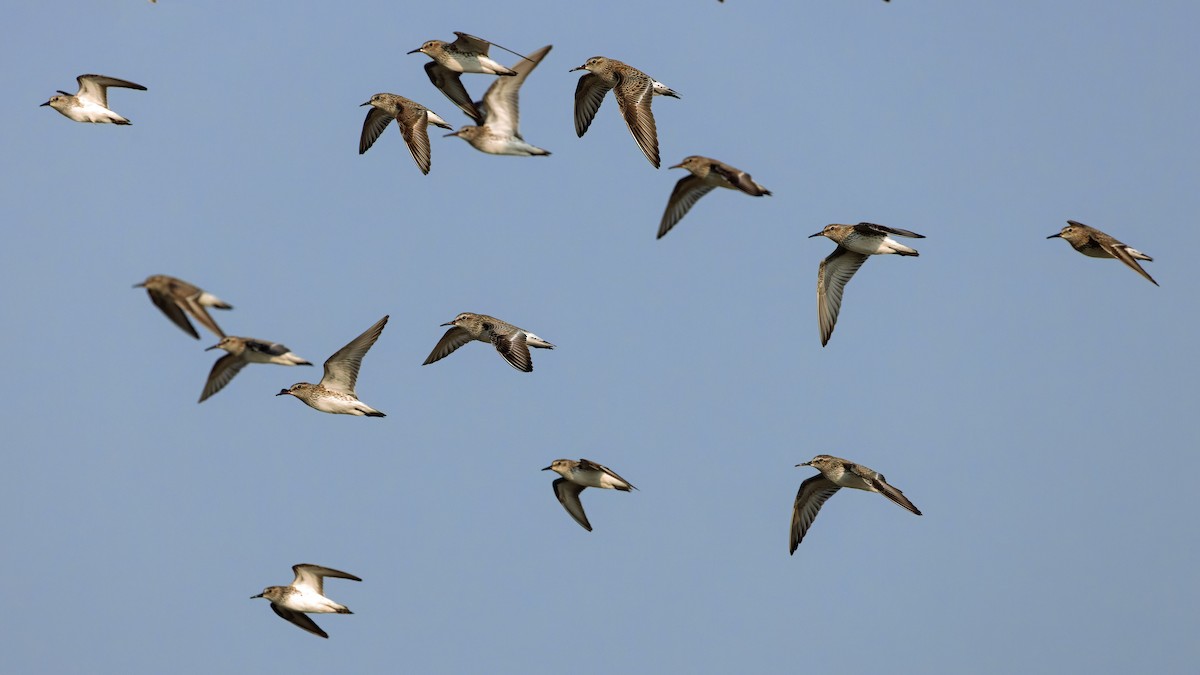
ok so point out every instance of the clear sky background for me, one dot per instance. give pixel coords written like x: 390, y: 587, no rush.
x: 1037, y: 405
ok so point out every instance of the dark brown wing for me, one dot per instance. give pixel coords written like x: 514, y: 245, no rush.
x: 809, y: 498
x: 589, y: 464
x: 568, y: 495
x: 832, y: 276
x: 873, y: 228
x: 687, y: 191
x: 452, y: 340
x: 313, y: 576
x: 514, y: 350
x: 221, y: 374
x: 414, y: 125
x: 95, y: 87
x: 739, y: 179
x: 589, y: 94
x: 635, y: 107
x: 174, y: 312
x: 449, y: 83
x: 377, y: 120
x: 300, y: 619
x: 893, y: 494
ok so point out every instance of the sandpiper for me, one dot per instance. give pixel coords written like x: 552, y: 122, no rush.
x: 306, y: 594
x: 90, y: 103
x: 512, y: 342
x: 836, y: 473
x: 335, y: 393
x: 176, y: 296
x: 412, y: 118
x: 243, y: 351
x: 467, y: 54
x: 579, y: 475
x: 450, y: 84
x: 1096, y: 244
x: 855, y: 243
x: 634, y: 91
x: 707, y: 173
x: 498, y: 132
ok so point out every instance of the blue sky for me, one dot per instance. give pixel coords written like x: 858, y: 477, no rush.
x: 1034, y: 403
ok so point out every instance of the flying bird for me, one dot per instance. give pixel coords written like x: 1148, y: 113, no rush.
x: 512, y: 342
x: 855, y: 244
x: 1096, y: 244
x: 335, y: 393
x: 244, y: 351
x: 467, y: 54
x: 706, y: 174
x: 497, y: 132
x: 306, y: 595
x: 634, y: 91
x: 177, y: 298
x: 836, y: 473
x: 579, y: 475
x: 412, y: 118
x: 90, y: 103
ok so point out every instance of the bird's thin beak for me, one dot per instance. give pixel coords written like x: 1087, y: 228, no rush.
x: 209, y: 349
x: 46, y: 103
x: 1054, y: 235
x: 256, y: 596
x: 451, y: 323
x: 575, y: 69
x: 282, y: 392
x: 809, y: 463
x: 452, y: 133
x: 547, y: 468
x: 415, y: 51
x: 362, y: 104
x: 677, y: 166
x: 140, y: 285
x: 816, y: 235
